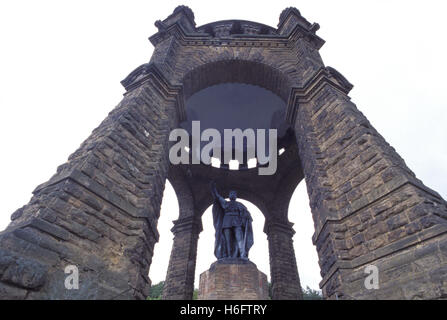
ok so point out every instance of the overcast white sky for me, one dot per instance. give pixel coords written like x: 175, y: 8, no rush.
x: 61, y: 63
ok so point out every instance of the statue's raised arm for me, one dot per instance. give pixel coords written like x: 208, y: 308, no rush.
x: 217, y: 196
x: 218, y: 215
x: 213, y: 189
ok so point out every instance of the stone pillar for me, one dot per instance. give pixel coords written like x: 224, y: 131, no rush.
x: 368, y: 206
x: 99, y: 212
x: 283, y: 268
x: 179, y: 284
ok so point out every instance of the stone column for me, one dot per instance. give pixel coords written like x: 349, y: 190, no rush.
x: 283, y: 269
x: 368, y: 206
x: 179, y: 283
x: 99, y: 212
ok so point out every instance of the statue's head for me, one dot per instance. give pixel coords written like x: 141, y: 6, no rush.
x: 232, y: 195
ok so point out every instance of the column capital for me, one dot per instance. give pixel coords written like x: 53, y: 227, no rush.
x: 279, y: 226
x: 191, y: 224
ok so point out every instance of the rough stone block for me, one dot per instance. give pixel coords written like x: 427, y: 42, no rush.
x: 233, y: 279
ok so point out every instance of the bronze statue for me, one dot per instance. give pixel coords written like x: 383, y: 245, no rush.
x: 232, y: 222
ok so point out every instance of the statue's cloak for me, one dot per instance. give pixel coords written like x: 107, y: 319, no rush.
x: 219, y: 242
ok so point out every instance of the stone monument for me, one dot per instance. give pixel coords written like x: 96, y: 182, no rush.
x: 233, y: 279
x: 100, y: 209
x: 232, y: 276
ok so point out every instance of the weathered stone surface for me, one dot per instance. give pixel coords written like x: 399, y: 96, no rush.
x: 233, y: 279
x: 21, y: 272
x: 100, y: 210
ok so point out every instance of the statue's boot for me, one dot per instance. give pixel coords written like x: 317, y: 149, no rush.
x: 237, y: 251
x: 241, y: 249
x: 228, y: 241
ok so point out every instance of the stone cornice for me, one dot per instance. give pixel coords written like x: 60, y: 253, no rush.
x: 236, y: 27
x: 150, y: 72
x: 283, y: 227
x: 189, y: 224
x: 324, y: 76
x: 252, y: 40
x: 205, y: 39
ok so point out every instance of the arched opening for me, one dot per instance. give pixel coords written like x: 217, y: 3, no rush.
x: 232, y: 106
x: 258, y: 253
x: 306, y: 254
x: 169, y: 212
x: 251, y: 71
x: 236, y: 94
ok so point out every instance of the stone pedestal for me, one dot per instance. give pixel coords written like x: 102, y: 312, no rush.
x: 233, y: 279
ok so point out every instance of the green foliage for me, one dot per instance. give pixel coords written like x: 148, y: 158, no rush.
x: 310, y: 294
x: 156, y: 291
x: 195, y: 294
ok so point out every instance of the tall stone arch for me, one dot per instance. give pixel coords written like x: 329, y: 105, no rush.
x: 99, y: 211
